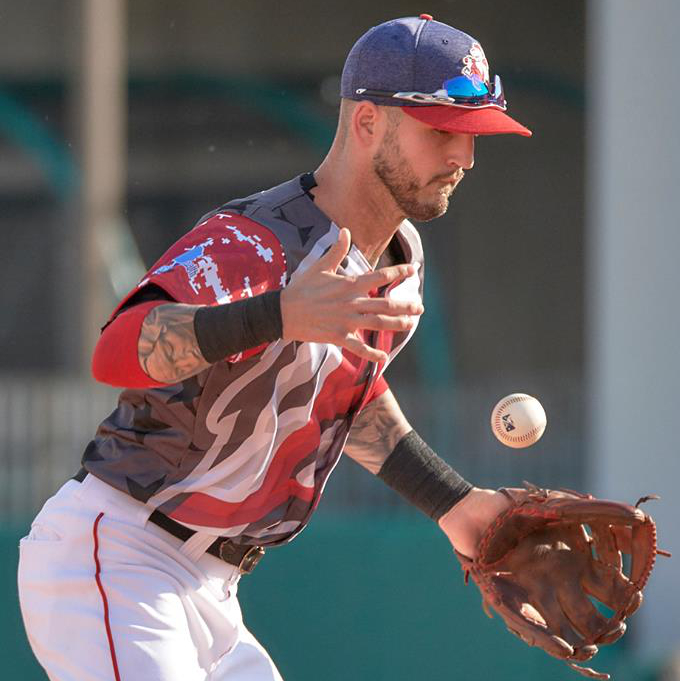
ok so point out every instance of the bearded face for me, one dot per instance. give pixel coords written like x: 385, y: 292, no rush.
x: 418, y: 200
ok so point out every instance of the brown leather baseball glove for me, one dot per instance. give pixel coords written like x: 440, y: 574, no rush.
x: 541, y: 559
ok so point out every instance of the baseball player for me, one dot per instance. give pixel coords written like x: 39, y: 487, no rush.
x: 252, y: 355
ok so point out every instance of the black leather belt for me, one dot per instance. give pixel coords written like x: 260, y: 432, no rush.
x: 245, y: 558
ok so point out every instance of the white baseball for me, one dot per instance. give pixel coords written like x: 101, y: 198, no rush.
x: 518, y: 420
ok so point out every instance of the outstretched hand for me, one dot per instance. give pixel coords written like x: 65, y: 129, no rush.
x: 323, y: 306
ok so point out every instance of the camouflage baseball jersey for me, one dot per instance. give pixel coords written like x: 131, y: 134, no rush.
x: 244, y: 448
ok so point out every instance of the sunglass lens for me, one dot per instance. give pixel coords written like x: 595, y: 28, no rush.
x: 462, y: 86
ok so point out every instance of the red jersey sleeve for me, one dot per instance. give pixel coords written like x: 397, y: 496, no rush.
x: 225, y: 258
x: 115, y: 359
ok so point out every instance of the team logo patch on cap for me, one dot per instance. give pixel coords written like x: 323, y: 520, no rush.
x: 475, y: 64
x: 474, y: 78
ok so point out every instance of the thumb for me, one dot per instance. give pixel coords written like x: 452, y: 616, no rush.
x: 334, y: 256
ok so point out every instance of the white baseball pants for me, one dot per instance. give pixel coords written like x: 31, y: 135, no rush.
x: 107, y: 596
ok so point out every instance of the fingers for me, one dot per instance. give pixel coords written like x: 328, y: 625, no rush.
x: 323, y: 306
x: 382, y: 277
x: 388, y: 306
x: 373, y: 322
x: 354, y: 345
x: 331, y: 260
x: 381, y: 322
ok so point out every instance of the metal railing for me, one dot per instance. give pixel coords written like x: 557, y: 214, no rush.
x: 45, y: 424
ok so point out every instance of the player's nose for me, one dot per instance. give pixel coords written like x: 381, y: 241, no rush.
x: 461, y: 152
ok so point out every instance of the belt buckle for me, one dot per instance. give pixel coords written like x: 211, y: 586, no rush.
x: 250, y: 560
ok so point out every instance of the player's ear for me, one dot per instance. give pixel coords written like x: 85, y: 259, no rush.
x: 365, y: 123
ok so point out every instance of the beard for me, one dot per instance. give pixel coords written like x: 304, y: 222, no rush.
x: 400, y: 180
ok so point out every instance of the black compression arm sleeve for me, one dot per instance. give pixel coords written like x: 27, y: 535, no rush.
x: 224, y: 330
x: 419, y: 475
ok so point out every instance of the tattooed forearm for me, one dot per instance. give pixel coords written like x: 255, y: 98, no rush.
x: 376, y: 432
x: 168, y: 350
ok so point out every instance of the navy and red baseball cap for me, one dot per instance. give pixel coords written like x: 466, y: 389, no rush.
x: 434, y: 72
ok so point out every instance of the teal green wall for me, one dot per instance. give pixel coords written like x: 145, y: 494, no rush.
x: 360, y: 599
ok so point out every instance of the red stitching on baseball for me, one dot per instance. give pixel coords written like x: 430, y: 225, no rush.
x: 499, y: 429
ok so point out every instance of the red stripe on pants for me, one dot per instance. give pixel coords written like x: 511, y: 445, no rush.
x: 105, y: 602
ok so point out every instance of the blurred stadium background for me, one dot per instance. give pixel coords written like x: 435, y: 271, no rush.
x: 555, y: 272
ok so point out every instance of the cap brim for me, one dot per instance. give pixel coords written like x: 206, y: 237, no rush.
x: 487, y: 121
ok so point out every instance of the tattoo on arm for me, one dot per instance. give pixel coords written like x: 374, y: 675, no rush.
x: 376, y: 432
x: 168, y: 350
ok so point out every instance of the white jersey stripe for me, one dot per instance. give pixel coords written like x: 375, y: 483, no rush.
x: 247, y: 467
